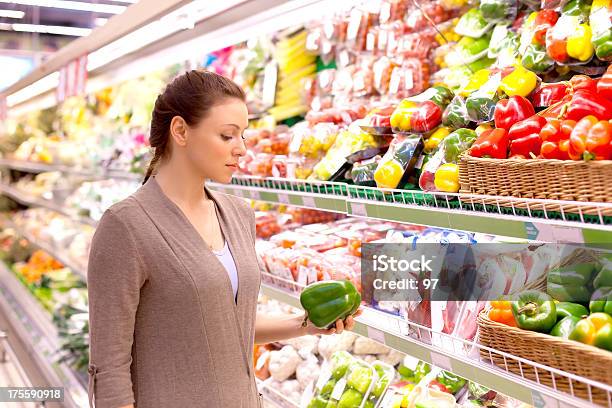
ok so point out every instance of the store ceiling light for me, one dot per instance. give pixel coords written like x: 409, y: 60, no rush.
x: 12, y: 13
x: 183, y: 18
x: 46, y: 29
x: 71, y: 5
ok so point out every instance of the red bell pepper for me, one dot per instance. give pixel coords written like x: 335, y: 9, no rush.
x: 549, y: 94
x: 604, y: 86
x: 512, y: 110
x: 582, y: 82
x: 525, y: 137
x: 555, y: 139
x: 585, y: 102
x: 590, y: 140
x: 426, y: 117
x: 491, y: 143
x: 543, y: 21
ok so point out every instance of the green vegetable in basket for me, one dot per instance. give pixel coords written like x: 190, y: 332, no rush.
x: 565, y: 309
x: 601, y: 301
x: 565, y: 327
x: 535, y: 311
x: 571, y: 283
x: 604, y: 276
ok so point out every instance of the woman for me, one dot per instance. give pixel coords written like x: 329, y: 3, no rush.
x: 173, y: 276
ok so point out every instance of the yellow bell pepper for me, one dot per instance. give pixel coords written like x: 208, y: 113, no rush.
x: 388, y: 174
x: 476, y: 81
x: 482, y: 128
x: 520, y: 82
x: 579, y: 44
x: 436, y: 137
x: 447, y: 178
x: 400, y: 118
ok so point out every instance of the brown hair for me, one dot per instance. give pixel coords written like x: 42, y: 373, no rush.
x: 190, y: 96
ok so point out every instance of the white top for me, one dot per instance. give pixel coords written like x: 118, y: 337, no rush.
x: 226, y: 258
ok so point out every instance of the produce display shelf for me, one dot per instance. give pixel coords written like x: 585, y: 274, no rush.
x: 99, y: 173
x: 462, y: 357
x: 31, y: 201
x: 511, y: 217
x: 36, y: 331
x: 273, y: 397
x: 50, y: 249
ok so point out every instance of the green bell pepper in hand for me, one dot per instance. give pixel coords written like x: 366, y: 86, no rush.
x: 535, y: 311
x: 565, y: 309
x: 565, y: 327
x: 327, y: 301
x: 451, y: 381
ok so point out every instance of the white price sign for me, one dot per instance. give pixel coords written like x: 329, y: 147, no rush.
x: 376, y: 335
x: 441, y: 361
x: 309, y: 201
x: 283, y: 198
x: 358, y: 209
x: 254, y: 194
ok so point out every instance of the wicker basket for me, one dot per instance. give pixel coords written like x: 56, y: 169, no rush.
x: 566, y: 355
x: 541, y: 179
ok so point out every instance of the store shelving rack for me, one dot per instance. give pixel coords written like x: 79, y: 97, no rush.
x: 524, y: 218
x: 34, y: 328
x: 99, y: 173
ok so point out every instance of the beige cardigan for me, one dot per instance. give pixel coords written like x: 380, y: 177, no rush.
x: 164, y: 328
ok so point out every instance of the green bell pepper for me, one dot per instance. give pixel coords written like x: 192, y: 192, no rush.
x: 442, y: 97
x: 479, y: 64
x: 601, y: 301
x: 494, y: 9
x: 332, y: 404
x: 359, y: 378
x: 565, y: 309
x: 600, y: 24
x: 604, y: 276
x: 535, y: 311
x: 580, y: 8
x: 350, y: 399
x: 536, y: 59
x: 565, y: 327
x: 381, y: 384
x: 451, y: 381
x: 480, y: 108
x: 455, y: 115
x: 327, y: 301
x: 456, y: 143
x: 571, y: 283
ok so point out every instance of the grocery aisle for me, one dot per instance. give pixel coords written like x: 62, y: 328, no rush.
x: 472, y: 135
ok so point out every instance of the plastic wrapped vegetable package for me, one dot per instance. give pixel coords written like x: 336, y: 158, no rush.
x: 397, y: 164
x: 423, y: 112
x: 441, y: 173
x: 570, y: 40
x: 601, y: 25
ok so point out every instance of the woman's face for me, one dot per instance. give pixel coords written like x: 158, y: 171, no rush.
x: 215, y: 145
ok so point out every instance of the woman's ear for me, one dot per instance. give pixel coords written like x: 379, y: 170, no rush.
x: 178, y: 131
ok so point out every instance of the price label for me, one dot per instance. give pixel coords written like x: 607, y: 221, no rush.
x: 376, y: 335
x: 338, y: 389
x: 309, y: 202
x: 358, y: 209
x: 441, y: 361
x: 283, y: 198
x: 312, y: 275
x: 254, y: 194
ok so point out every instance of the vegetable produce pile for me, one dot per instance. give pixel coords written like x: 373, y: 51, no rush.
x: 577, y: 304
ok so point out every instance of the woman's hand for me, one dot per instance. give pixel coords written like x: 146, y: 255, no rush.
x: 341, y: 325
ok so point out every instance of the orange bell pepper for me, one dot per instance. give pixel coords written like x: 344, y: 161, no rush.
x: 501, y: 312
x: 591, y: 139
